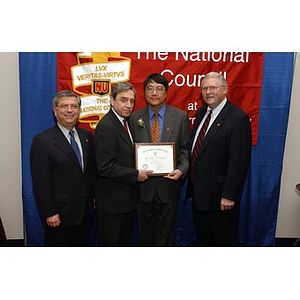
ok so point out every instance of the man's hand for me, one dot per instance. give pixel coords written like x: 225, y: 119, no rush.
x: 226, y: 204
x: 143, y: 175
x: 174, y: 175
x: 53, y: 221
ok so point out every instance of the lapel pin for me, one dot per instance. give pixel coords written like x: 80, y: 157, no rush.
x: 219, y: 124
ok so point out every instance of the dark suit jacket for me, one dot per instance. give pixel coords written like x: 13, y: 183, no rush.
x: 59, y: 184
x: 222, y: 164
x: 176, y: 129
x: 117, y: 188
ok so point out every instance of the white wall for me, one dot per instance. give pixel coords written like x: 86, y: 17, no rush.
x: 288, y: 224
x: 10, y: 151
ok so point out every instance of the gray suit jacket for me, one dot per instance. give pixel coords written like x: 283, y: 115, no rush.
x: 176, y: 129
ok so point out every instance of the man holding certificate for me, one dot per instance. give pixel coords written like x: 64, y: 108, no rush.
x: 162, y: 136
x: 117, y: 188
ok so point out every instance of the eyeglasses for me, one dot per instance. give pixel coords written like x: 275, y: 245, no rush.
x: 211, y: 88
x: 158, y: 89
x: 66, y: 106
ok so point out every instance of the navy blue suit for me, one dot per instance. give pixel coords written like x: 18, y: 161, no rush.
x: 117, y: 188
x: 60, y: 185
x: 222, y: 164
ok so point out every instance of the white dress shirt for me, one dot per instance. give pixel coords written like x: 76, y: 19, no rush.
x: 66, y: 133
x: 121, y: 119
x: 215, y: 112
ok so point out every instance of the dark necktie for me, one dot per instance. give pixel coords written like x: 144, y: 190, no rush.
x: 75, y: 147
x: 198, y: 143
x: 126, y: 129
x: 125, y: 126
x: 155, y: 129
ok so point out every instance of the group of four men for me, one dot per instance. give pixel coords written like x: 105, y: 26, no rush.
x: 73, y: 172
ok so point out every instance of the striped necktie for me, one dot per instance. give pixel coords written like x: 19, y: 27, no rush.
x: 198, y: 143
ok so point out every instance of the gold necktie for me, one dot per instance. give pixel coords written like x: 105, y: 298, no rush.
x: 155, y: 129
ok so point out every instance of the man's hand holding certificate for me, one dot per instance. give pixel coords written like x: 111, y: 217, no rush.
x: 159, y: 157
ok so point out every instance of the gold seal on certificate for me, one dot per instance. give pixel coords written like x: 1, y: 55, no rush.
x: 159, y: 157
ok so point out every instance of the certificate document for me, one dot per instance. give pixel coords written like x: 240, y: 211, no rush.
x: 159, y: 157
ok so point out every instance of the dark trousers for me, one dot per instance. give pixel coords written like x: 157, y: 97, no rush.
x: 156, y: 223
x: 115, y: 229
x: 69, y: 236
x: 216, y: 228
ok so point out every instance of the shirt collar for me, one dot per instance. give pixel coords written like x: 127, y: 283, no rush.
x: 217, y: 110
x: 65, y: 130
x: 121, y: 119
x: 161, y: 112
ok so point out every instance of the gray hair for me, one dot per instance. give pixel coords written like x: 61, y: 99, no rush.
x: 221, y: 78
x: 65, y: 93
x: 121, y: 87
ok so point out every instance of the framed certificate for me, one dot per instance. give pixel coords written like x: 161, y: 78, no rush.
x: 159, y: 157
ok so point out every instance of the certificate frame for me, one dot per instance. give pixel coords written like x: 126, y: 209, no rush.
x: 159, y: 157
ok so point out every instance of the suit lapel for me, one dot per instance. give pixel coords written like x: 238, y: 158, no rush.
x: 62, y: 143
x: 169, y: 122
x: 120, y: 129
x: 198, y: 121
x: 215, y: 127
x: 147, y: 122
x: 84, y: 144
x: 144, y: 133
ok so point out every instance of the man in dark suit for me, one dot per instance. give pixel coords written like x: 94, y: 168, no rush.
x: 64, y: 182
x: 159, y: 196
x: 220, y: 155
x: 117, y: 188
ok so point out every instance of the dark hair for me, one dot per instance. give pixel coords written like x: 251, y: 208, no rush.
x: 158, y: 78
x: 121, y: 87
x: 65, y: 93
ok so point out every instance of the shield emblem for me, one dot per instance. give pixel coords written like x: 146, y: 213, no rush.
x: 101, y: 87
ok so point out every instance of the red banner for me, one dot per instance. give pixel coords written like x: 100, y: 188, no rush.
x: 91, y: 75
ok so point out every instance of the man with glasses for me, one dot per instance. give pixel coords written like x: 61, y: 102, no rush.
x: 219, y: 159
x: 64, y: 175
x: 159, y: 195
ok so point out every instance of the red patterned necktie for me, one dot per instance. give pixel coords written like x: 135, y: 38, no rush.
x: 126, y: 129
x: 198, y: 143
x: 125, y: 126
x: 155, y: 129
